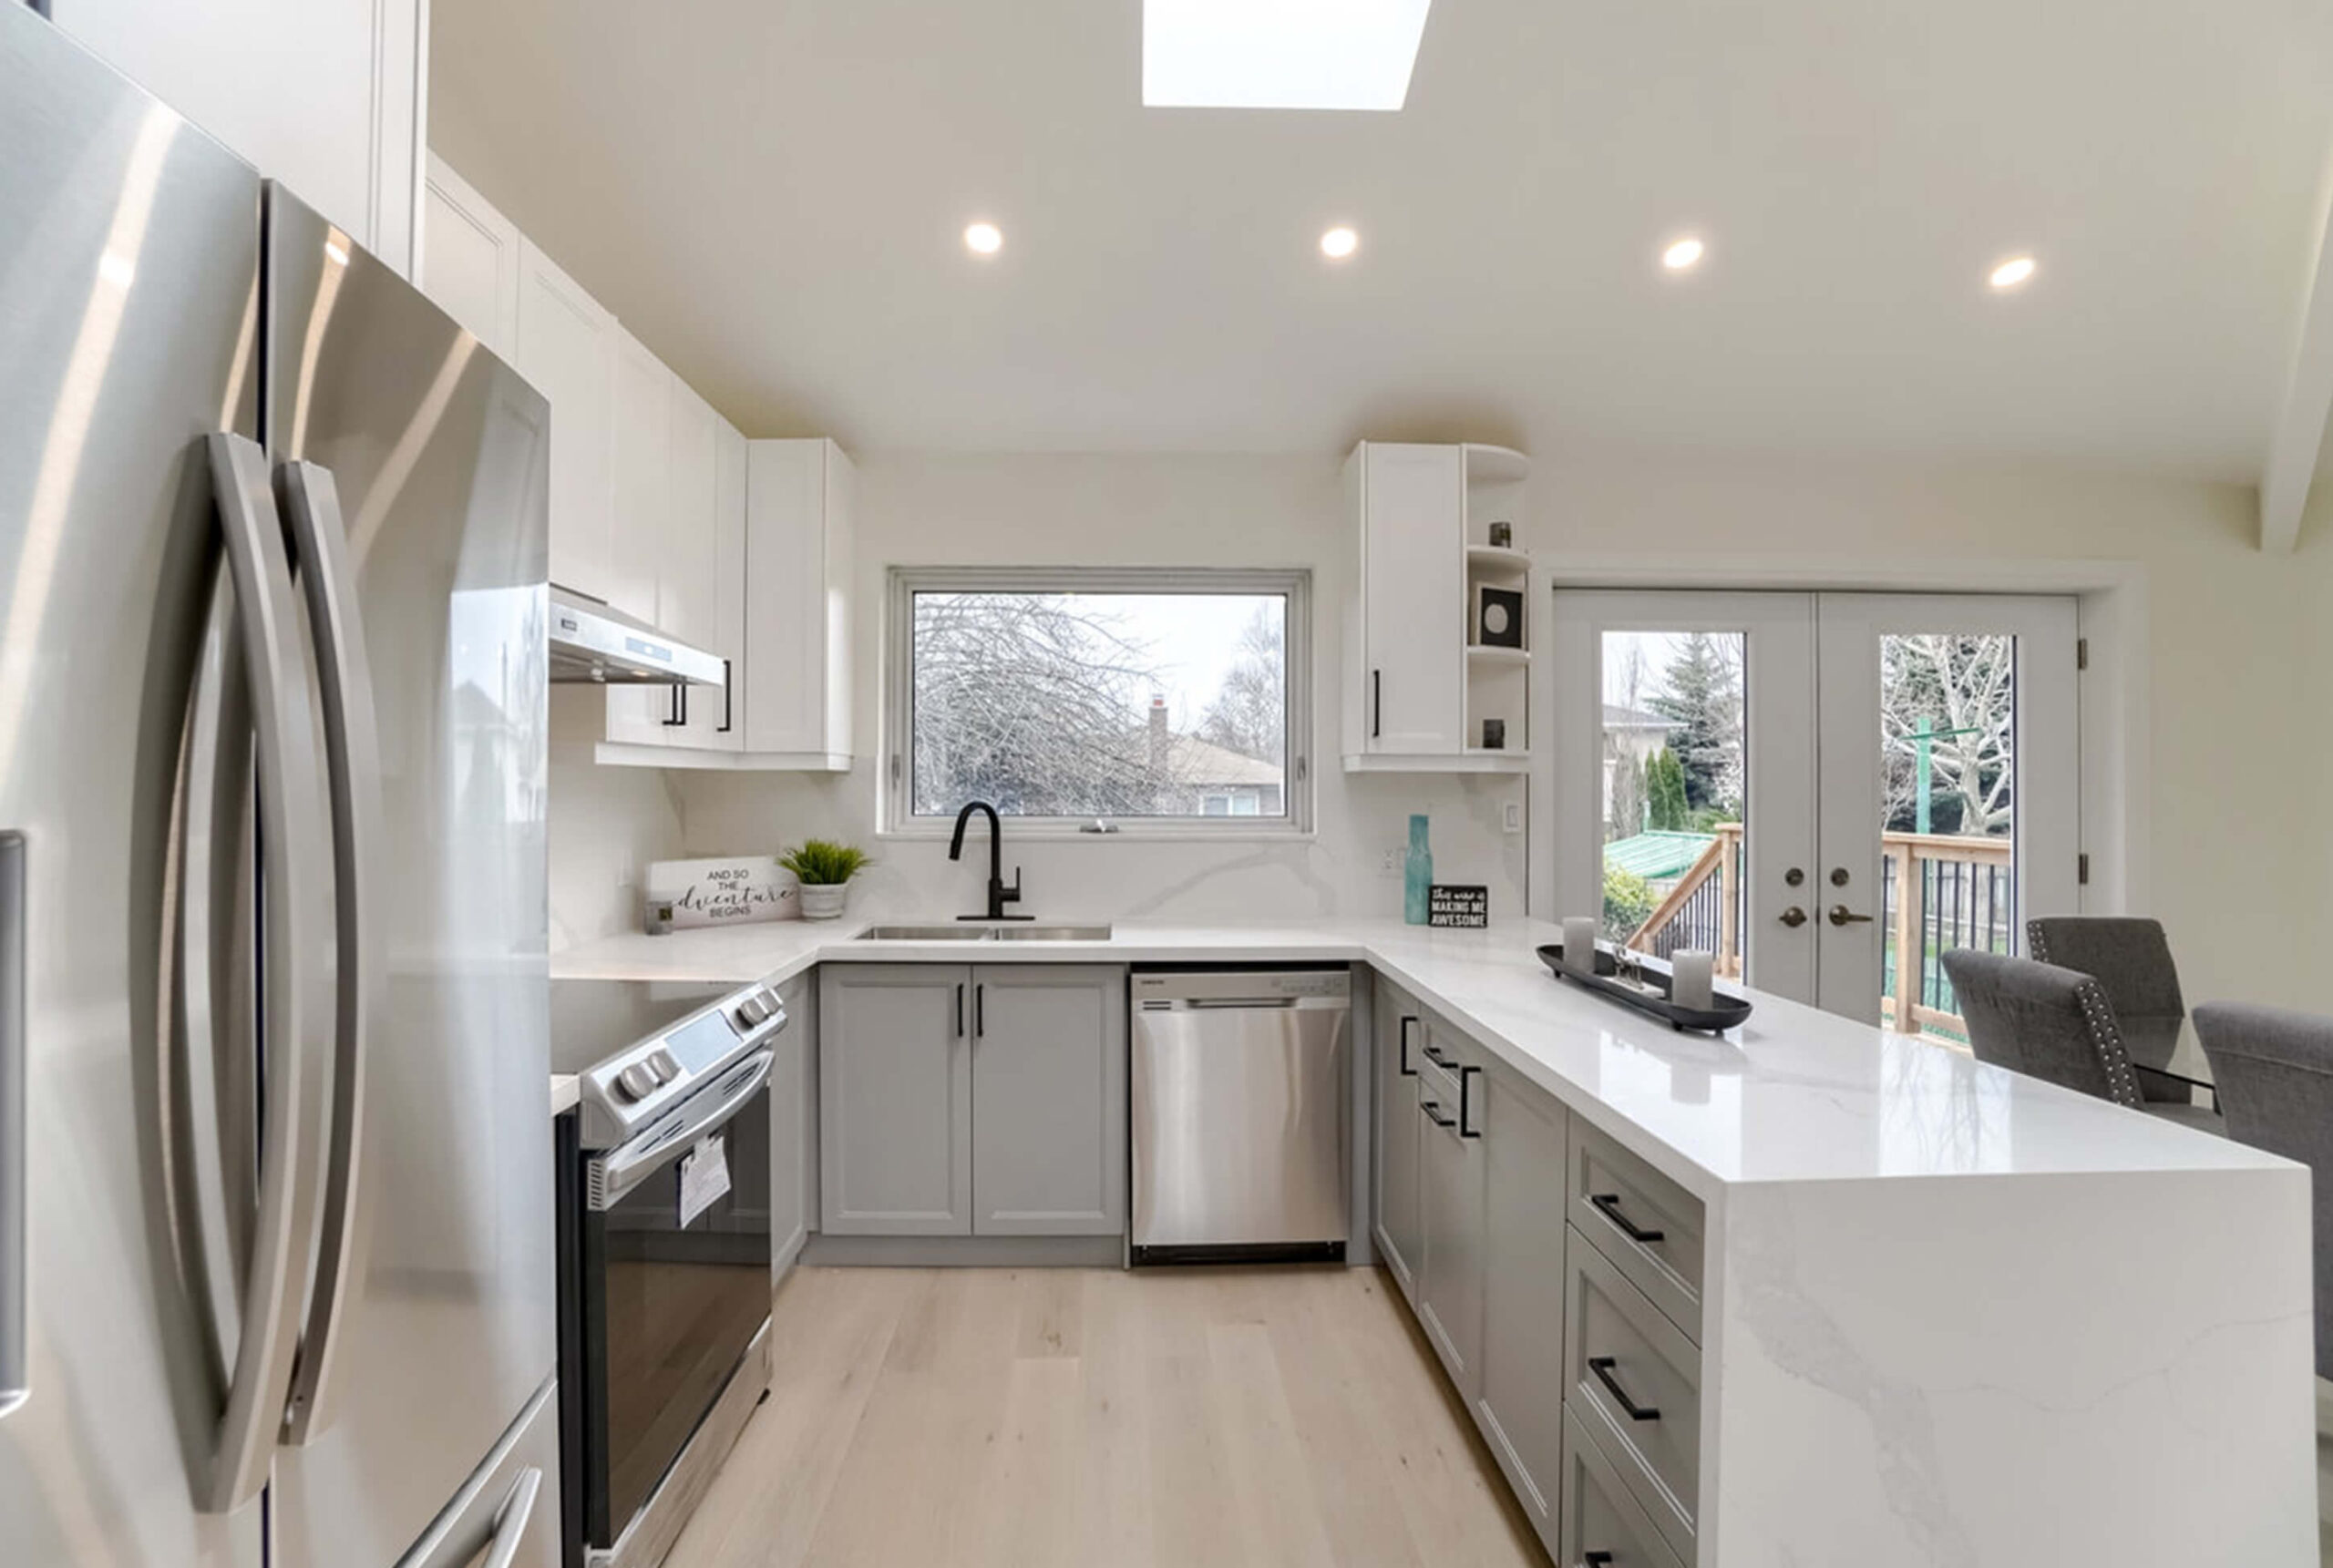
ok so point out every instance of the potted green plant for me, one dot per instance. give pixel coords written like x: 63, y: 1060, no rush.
x: 825, y: 869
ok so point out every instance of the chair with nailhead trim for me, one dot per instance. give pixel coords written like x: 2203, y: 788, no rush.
x: 2130, y: 958
x: 2274, y: 1073
x: 2055, y: 1024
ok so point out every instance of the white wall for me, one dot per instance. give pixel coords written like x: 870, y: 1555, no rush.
x: 606, y: 824
x: 1115, y: 511
x: 2233, y: 842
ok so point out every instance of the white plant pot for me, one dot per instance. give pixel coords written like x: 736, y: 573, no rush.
x: 823, y: 902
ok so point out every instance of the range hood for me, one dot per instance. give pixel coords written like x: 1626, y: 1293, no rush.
x: 592, y: 643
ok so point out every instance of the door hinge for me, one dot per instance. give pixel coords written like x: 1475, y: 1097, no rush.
x: 2081, y: 869
x: 2081, y: 653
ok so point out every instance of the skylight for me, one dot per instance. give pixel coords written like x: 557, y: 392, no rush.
x: 1280, y: 54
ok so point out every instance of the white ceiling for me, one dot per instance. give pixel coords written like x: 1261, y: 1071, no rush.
x: 772, y: 195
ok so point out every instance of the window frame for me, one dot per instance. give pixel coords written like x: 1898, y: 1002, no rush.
x: 895, y: 809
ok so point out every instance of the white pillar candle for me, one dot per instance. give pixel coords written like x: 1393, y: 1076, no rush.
x: 1691, y: 975
x: 1579, y: 944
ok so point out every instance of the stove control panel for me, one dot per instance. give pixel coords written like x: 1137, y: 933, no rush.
x: 626, y: 1091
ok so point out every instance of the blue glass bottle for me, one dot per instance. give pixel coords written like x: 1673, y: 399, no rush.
x: 1417, y: 874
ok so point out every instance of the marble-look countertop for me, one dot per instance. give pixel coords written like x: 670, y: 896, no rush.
x: 1794, y: 1095
x: 564, y: 1095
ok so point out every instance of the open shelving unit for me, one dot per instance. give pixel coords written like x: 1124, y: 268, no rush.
x: 1497, y: 681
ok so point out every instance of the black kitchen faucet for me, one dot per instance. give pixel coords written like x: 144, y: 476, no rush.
x: 999, y: 894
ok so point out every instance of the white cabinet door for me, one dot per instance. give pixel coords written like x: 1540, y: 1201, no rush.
x: 688, y: 584
x: 1412, y: 601
x: 727, y: 732
x: 798, y: 563
x: 322, y: 95
x: 469, y: 259
x: 641, y: 477
x: 567, y: 349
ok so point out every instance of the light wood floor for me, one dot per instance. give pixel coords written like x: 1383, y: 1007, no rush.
x: 1026, y: 1417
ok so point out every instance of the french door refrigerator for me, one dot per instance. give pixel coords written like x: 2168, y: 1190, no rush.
x: 276, y: 1275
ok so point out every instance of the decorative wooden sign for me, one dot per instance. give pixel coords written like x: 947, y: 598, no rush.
x: 1462, y: 907
x: 738, y: 891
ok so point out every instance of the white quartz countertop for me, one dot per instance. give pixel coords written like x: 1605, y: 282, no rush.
x: 1793, y: 1095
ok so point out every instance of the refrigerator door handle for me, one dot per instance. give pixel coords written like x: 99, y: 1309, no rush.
x: 311, y: 499
x: 245, y: 1437
x: 510, y: 1522
x: 14, y: 1375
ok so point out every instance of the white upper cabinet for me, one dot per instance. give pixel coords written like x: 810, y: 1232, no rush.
x: 566, y: 348
x: 322, y: 95
x: 1419, y: 685
x: 641, y: 472
x: 469, y: 259
x: 797, y: 702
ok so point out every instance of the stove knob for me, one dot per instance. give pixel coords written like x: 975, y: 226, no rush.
x: 661, y: 1063
x: 635, y: 1083
x: 753, y: 1011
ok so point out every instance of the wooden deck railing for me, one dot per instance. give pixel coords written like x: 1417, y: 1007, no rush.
x: 1938, y: 892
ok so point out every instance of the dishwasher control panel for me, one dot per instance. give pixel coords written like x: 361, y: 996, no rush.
x: 1161, y: 991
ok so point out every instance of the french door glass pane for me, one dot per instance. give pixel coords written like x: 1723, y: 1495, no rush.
x: 1675, y: 792
x: 1948, y: 764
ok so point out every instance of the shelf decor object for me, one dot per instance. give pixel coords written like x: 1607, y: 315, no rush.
x: 824, y: 869
x: 1498, y: 617
x: 1645, y: 985
x: 740, y: 890
x: 1502, y: 535
x: 1458, y: 907
x: 1417, y: 874
x: 1494, y: 735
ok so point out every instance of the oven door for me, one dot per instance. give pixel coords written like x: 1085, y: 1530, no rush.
x: 675, y: 1271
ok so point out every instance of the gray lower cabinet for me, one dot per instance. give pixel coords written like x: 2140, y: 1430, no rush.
x: 895, y: 1096
x: 1401, y: 1030
x: 794, y: 1126
x: 1049, y: 1100
x: 1450, y: 1211
x: 1520, y: 1401
x: 973, y: 1100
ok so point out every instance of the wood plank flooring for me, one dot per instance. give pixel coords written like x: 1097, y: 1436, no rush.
x: 1100, y: 1418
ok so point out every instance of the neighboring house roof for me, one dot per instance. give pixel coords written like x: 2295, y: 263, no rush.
x: 1616, y: 717
x: 1656, y: 856
x: 1199, y: 763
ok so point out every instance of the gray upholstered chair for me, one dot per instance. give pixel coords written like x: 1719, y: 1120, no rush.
x: 2275, y: 1071
x: 2051, y: 1023
x: 2130, y: 958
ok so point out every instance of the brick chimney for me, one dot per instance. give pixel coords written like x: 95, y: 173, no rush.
x: 1159, y: 739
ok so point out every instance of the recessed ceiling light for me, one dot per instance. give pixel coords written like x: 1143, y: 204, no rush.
x: 1280, y: 54
x: 1684, y: 256
x: 2012, y: 273
x: 984, y: 238
x: 1339, y: 243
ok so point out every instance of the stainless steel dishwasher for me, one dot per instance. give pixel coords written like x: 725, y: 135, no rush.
x: 1241, y: 1085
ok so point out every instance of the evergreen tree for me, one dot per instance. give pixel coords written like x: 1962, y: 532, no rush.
x: 1664, y: 787
x: 1704, y: 701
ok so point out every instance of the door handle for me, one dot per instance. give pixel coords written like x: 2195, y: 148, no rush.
x: 311, y: 497
x: 979, y: 1012
x: 1843, y: 916
x: 960, y: 1011
x: 1466, y: 1128
x: 1407, y: 1070
x: 728, y: 706
x: 1794, y: 917
x: 1376, y: 703
x: 276, y: 1275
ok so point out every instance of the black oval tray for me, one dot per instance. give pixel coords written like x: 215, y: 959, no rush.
x: 1730, y: 1011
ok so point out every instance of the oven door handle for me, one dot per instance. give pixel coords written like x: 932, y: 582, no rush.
x: 624, y: 1167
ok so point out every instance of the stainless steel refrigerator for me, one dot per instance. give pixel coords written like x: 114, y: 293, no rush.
x: 276, y: 1275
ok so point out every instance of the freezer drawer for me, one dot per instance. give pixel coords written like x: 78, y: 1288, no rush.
x: 507, y: 1514
x: 1238, y: 1099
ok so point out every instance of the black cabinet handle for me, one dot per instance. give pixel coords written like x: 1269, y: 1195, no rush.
x: 1602, y: 1367
x: 1594, y: 1559
x: 1433, y: 1113
x: 672, y: 707
x: 728, y: 688
x: 1376, y: 703
x: 959, y: 1012
x: 1437, y: 1057
x: 1407, y: 1070
x: 1608, y: 1206
x: 1466, y: 1128
x: 979, y: 1012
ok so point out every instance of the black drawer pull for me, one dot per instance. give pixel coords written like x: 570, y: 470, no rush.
x: 1602, y: 1367
x: 1434, y: 1114
x: 1437, y: 1057
x: 1608, y: 1206
x: 1594, y: 1559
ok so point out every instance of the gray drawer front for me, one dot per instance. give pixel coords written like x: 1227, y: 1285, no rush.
x: 1614, y: 1191
x: 1598, y: 1514
x: 1654, y: 1368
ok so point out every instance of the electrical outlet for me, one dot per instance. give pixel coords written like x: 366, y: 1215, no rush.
x: 1511, y: 817
x: 1392, y: 862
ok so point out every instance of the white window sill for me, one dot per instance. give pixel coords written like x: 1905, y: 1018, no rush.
x: 1052, y: 831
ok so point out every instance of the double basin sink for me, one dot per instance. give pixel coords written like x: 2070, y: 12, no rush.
x: 980, y: 931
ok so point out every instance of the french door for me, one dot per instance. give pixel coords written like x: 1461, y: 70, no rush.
x: 1826, y: 791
